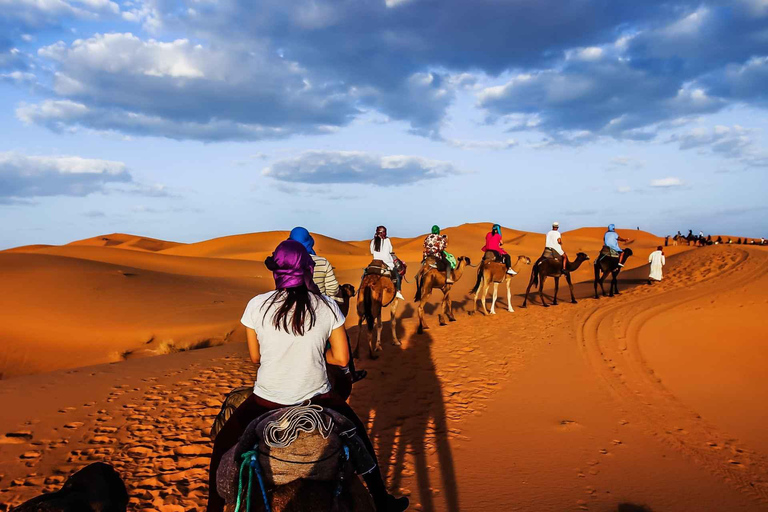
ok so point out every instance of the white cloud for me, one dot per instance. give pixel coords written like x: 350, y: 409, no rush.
x: 493, y: 145
x: 316, y: 167
x: 23, y: 176
x: 667, y: 183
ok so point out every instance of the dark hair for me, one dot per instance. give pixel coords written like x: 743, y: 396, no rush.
x: 377, y: 243
x: 297, y: 300
x: 495, y: 230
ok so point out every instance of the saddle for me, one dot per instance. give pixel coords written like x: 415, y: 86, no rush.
x: 300, y: 442
x: 378, y: 267
x: 494, y: 256
x: 607, y: 252
x: 440, y: 264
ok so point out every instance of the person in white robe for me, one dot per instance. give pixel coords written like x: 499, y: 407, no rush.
x: 657, y: 261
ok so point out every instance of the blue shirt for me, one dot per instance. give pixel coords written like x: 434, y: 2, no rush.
x: 611, y: 239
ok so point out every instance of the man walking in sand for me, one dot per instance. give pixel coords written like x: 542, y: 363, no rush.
x: 657, y: 261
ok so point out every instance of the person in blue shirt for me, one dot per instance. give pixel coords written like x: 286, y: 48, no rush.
x: 611, y: 240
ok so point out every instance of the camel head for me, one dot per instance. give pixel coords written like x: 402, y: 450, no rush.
x: 582, y: 256
x: 525, y: 259
x: 628, y: 252
x: 463, y: 260
x: 346, y: 291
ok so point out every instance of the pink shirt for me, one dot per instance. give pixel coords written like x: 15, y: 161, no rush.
x: 493, y: 243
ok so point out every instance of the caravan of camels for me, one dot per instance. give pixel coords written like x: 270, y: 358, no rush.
x: 396, y: 415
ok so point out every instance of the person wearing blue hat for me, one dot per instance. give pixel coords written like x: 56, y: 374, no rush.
x: 611, y: 240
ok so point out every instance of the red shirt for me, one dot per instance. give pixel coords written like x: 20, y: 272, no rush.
x: 493, y: 243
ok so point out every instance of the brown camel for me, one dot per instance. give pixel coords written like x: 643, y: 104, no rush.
x: 313, y: 496
x: 605, y: 265
x: 551, y: 267
x: 376, y: 292
x: 346, y: 292
x: 492, y: 271
x: 429, y: 278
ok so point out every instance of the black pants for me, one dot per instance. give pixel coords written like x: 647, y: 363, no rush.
x: 507, y: 259
x: 254, y: 407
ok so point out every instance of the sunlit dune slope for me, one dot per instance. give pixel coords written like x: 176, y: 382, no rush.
x: 256, y: 246
x: 124, y: 241
x: 60, y: 312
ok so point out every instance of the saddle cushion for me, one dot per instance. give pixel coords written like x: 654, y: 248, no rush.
x: 378, y: 267
x: 607, y: 251
x: 308, y: 457
x: 492, y: 256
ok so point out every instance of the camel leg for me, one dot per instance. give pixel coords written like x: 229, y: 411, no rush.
x: 495, y: 296
x: 356, y: 353
x: 393, y: 323
x: 485, y: 296
x: 449, y: 306
x: 376, y: 347
x: 557, y: 287
x: 509, y: 296
x: 570, y: 287
x: 603, y: 277
x: 443, y: 309
x: 597, y: 278
x: 477, y: 294
x: 530, y: 283
x: 423, y: 323
x: 541, y: 290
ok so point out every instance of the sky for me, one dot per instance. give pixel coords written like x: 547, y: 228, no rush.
x: 191, y: 119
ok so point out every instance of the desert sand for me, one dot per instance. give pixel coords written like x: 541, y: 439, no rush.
x: 120, y: 348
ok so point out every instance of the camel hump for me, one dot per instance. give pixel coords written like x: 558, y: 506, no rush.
x: 302, y: 442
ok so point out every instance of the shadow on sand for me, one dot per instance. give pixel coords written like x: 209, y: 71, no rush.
x: 406, y: 414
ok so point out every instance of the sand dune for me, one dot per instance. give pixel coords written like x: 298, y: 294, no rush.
x: 580, y: 407
x: 124, y: 241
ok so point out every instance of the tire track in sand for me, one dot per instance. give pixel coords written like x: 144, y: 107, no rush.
x: 609, y: 338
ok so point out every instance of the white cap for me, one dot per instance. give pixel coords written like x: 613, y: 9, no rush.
x: 555, y: 224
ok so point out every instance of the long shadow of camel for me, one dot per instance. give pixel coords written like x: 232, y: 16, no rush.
x: 407, y: 416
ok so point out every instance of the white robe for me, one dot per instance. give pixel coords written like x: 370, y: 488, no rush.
x: 657, y: 261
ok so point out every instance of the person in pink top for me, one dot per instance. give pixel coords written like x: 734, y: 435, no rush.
x: 493, y: 243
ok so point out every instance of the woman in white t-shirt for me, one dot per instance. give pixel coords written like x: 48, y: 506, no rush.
x: 381, y: 249
x: 287, y: 330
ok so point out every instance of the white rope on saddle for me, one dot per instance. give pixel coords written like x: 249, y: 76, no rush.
x: 300, y: 418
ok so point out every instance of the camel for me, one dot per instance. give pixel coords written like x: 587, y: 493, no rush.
x: 346, y: 292
x: 313, y: 496
x: 376, y: 292
x: 429, y: 278
x: 550, y: 267
x: 605, y: 265
x: 492, y: 271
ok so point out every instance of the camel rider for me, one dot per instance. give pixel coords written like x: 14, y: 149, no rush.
x: 611, y: 240
x: 435, y: 245
x: 553, y: 242
x: 323, y: 275
x: 381, y: 249
x: 326, y: 282
x: 286, y: 332
x: 493, y: 243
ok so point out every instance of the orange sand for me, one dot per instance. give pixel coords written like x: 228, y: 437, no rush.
x: 654, y: 397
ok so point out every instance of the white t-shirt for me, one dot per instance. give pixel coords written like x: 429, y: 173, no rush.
x: 552, y: 241
x: 385, y: 254
x: 292, y: 367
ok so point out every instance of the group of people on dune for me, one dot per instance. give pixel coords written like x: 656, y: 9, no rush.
x: 296, y: 332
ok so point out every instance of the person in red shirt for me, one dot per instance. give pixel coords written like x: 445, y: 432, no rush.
x: 493, y: 242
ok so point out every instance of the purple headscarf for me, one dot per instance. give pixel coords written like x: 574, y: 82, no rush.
x: 292, y: 266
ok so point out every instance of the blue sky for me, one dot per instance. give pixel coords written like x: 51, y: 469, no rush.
x: 190, y: 119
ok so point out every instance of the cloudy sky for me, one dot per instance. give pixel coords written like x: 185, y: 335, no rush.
x: 190, y: 119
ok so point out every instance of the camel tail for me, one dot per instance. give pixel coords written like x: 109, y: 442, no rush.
x: 368, y: 307
x: 479, y: 279
x: 535, y: 275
